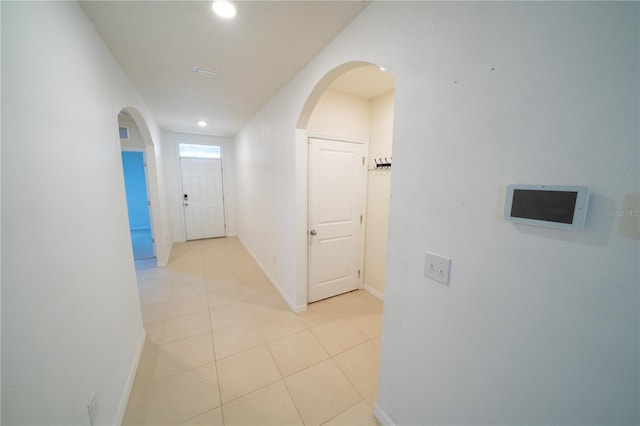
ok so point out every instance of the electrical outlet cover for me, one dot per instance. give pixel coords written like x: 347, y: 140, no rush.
x: 437, y: 268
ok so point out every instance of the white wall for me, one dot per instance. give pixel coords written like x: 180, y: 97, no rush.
x: 537, y: 326
x: 71, y: 322
x: 266, y: 191
x: 378, y: 194
x: 341, y: 115
x: 173, y: 179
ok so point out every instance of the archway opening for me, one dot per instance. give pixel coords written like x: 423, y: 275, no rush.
x: 354, y: 103
x: 136, y: 188
x: 140, y: 141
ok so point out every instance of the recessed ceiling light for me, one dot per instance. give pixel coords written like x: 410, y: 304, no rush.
x: 224, y: 9
x: 202, y: 123
x: 383, y: 69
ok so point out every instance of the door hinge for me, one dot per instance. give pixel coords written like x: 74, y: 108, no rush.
x: 358, y: 273
x: 153, y: 240
x: 360, y: 219
x: 363, y: 161
x: 149, y: 203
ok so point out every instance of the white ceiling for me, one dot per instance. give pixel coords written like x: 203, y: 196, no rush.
x: 258, y: 52
x: 366, y: 82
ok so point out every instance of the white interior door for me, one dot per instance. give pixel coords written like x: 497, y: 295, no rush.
x: 202, y: 198
x: 336, y: 205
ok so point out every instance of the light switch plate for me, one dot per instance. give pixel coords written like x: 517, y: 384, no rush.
x: 437, y: 268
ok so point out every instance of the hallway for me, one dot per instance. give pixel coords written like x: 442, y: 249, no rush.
x: 223, y: 348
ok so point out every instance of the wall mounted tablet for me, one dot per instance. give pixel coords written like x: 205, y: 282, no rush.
x: 563, y: 207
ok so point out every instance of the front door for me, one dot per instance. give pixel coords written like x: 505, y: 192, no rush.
x: 202, y: 198
x: 336, y: 207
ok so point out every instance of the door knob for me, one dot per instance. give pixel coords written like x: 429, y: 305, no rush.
x: 313, y: 232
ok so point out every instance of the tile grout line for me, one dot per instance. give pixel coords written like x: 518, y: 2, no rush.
x: 213, y: 345
x: 199, y: 250
x: 345, y: 410
x: 293, y: 401
x: 349, y: 380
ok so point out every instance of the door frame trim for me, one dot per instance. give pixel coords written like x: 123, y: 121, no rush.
x: 327, y: 137
x: 363, y: 192
x: 178, y: 181
x: 224, y: 198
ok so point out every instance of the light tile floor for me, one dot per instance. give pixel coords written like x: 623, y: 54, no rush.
x: 223, y: 348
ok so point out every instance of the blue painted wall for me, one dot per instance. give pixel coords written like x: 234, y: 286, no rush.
x: 136, y: 189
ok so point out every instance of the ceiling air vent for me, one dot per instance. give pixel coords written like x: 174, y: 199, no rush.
x: 124, y: 132
x: 207, y: 72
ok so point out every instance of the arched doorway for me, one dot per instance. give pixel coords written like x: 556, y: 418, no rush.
x: 139, y: 153
x: 136, y: 189
x: 351, y: 105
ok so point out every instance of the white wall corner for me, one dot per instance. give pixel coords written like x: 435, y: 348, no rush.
x: 381, y: 416
x: 164, y: 260
x: 373, y: 291
x: 124, y: 401
x: 292, y: 305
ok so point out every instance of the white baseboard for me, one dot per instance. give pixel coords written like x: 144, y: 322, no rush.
x: 295, y: 308
x: 381, y: 416
x: 373, y: 291
x: 122, y: 407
